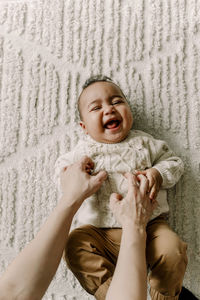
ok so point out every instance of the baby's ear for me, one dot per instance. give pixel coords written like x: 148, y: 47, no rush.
x: 82, y: 124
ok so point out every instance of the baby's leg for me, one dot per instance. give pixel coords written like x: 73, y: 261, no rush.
x: 91, y: 254
x: 167, y: 259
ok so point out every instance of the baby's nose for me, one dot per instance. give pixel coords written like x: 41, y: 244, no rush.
x: 109, y: 109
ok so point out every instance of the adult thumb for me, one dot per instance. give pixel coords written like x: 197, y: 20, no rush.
x: 98, y: 178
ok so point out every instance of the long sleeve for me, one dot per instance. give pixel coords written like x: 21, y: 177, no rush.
x: 164, y: 160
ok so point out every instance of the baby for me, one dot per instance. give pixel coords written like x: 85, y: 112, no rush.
x: 92, y: 249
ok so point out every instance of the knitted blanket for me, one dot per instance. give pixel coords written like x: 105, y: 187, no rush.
x: 48, y: 48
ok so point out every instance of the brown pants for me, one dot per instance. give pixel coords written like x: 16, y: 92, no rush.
x: 91, y: 254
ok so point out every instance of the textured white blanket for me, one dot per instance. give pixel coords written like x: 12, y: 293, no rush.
x: 47, y: 50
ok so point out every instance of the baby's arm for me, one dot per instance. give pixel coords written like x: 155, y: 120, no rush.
x: 165, y: 162
x: 169, y: 166
x: 166, y: 167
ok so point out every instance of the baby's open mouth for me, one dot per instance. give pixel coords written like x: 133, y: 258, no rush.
x: 112, y: 124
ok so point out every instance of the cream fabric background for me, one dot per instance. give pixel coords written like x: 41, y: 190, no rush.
x: 47, y: 50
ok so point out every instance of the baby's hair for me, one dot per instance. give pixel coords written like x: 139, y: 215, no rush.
x: 96, y: 78
x: 93, y: 79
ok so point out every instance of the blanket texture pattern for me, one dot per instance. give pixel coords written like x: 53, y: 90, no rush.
x: 48, y: 48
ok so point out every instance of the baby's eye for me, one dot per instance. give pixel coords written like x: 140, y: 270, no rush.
x: 95, y: 108
x: 117, y: 101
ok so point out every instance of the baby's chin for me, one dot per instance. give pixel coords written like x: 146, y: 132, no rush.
x: 111, y: 139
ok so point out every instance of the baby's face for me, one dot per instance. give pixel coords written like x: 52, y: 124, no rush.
x: 106, y: 115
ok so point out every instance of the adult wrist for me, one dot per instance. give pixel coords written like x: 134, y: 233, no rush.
x: 134, y: 237
x: 134, y: 229
x: 70, y: 203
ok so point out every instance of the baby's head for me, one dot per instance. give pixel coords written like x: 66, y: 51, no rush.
x: 104, y: 111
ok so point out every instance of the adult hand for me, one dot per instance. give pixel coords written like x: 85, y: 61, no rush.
x: 136, y: 208
x: 155, y: 181
x: 77, y: 183
x: 46, y: 249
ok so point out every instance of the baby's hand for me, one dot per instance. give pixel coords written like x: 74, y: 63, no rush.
x: 155, y: 181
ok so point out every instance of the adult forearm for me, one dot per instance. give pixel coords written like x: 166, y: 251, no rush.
x: 129, y: 280
x: 31, y: 272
